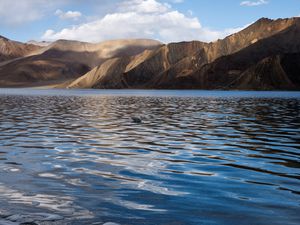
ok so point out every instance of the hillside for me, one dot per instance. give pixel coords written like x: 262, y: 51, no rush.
x: 217, y: 65
x: 13, y: 49
x: 64, y: 60
x: 258, y: 57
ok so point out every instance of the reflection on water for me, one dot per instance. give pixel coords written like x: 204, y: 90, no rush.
x: 225, y: 157
x: 62, y: 204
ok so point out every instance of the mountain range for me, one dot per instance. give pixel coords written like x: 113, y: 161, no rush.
x: 263, y: 56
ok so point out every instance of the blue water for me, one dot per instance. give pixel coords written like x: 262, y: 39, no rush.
x: 197, y: 157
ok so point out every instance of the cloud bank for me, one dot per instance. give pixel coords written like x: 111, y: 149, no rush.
x: 140, y: 19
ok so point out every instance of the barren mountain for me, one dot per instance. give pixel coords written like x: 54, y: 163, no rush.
x: 142, y: 69
x: 229, y: 63
x: 225, y: 70
x: 267, y: 74
x: 13, y: 49
x: 107, y: 75
x: 265, y: 55
x: 178, y: 75
x: 64, y: 60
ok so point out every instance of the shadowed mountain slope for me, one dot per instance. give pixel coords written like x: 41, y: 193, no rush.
x: 224, y: 70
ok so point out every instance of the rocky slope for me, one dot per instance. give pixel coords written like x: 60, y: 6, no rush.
x: 13, y: 49
x: 137, y: 71
x: 250, y: 59
x: 107, y: 75
x: 262, y: 29
x: 64, y: 60
x: 263, y: 56
x: 267, y: 74
x: 222, y: 72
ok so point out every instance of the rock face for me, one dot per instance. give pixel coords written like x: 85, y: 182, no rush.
x: 107, y: 75
x: 263, y: 56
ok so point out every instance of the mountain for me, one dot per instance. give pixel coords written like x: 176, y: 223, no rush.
x: 139, y: 70
x: 39, y: 43
x: 263, y: 56
x: 63, y: 60
x: 225, y: 70
x: 223, y: 64
x: 178, y: 75
x: 267, y: 74
x: 12, y: 49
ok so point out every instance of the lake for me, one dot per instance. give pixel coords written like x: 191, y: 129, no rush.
x: 197, y: 157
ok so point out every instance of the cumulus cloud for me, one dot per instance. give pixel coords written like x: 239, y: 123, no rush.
x: 68, y: 15
x: 140, y: 19
x: 19, y: 12
x: 254, y: 3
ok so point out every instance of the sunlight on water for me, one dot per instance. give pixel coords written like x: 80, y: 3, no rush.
x: 196, y: 157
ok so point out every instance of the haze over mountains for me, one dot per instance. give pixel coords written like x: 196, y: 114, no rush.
x: 264, y: 56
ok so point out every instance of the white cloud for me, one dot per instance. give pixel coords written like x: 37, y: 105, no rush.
x: 19, y: 12
x: 254, y: 3
x: 140, y: 19
x: 143, y: 6
x: 68, y: 15
x: 176, y: 1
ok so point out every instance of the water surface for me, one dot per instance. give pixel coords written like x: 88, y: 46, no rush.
x: 198, y: 157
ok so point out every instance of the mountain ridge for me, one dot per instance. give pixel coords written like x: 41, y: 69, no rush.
x: 224, y: 64
x: 64, y: 60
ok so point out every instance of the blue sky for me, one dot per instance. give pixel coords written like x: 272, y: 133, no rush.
x: 165, y: 20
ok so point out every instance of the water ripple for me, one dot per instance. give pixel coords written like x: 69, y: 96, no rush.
x: 192, y: 160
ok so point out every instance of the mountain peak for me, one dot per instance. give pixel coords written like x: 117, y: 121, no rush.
x: 264, y: 20
x: 4, y: 38
x: 38, y: 43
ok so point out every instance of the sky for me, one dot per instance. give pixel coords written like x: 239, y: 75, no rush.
x: 163, y: 20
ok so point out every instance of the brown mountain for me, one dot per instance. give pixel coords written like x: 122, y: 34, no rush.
x: 139, y: 70
x: 13, y: 49
x: 263, y: 56
x: 225, y: 70
x: 262, y: 29
x: 233, y: 62
x: 66, y: 60
x: 267, y: 74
